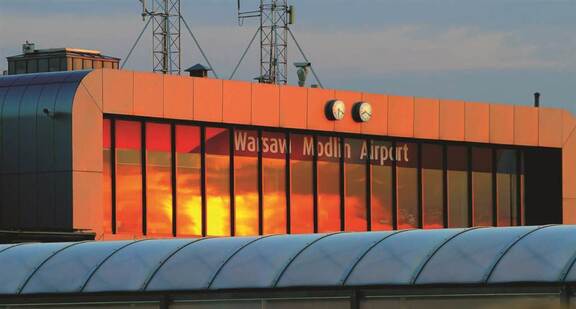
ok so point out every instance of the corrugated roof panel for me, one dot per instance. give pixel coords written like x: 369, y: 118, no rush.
x: 68, y: 270
x: 470, y: 256
x: 328, y: 261
x: 397, y: 259
x: 129, y: 268
x: 541, y: 256
x: 194, y: 267
x: 19, y: 262
x: 259, y: 264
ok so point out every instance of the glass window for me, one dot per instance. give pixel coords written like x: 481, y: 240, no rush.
x: 97, y: 64
x: 381, y: 168
x: 68, y: 64
x: 87, y: 64
x: 457, y: 170
x: 21, y: 67
x: 158, y: 179
x: 506, y: 187
x: 328, y: 150
x: 11, y: 67
x: 107, y: 175
x: 107, y: 64
x: 406, y: 156
x: 128, y: 177
x: 301, y: 184
x: 32, y: 66
x: 274, y: 182
x: 42, y: 65
x: 77, y: 63
x: 482, y: 186
x: 246, y: 182
x: 54, y: 64
x: 217, y: 182
x: 188, y: 191
x: 63, y: 64
x: 432, y: 186
x: 355, y: 156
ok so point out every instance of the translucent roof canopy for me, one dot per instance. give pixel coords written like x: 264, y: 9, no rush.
x: 414, y: 257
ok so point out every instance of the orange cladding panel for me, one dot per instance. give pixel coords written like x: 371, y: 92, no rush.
x: 178, y: 97
x: 265, y: 105
x: 569, y: 167
x: 477, y: 122
x: 87, y: 195
x: 86, y: 126
x: 118, y: 91
x: 317, y: 100
x: 148, y: 94
x: 378, y: 125
x: 452, y: 120
x: 93, y: 84
x: 401, y: 116
x: 208, y: 99
x: 293, y: 107
x: 568, y: 125
x: 550, y: 127
x: 569, y: 211
x: 426, y: 118
x: 348, y: 124
x: 525, y: 125
x: 237, y: 102
x: 501, y: 124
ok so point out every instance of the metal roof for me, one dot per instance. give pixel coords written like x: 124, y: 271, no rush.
x: 484, y: 256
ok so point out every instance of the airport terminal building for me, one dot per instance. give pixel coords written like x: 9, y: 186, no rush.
x: 221, y: 166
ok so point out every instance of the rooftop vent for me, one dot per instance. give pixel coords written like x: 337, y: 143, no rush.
x: 28, y: 48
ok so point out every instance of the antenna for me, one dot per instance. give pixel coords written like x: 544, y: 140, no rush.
x: 275, y: 17
x: 166, y: 19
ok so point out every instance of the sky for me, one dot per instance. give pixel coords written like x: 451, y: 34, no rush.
x: 498, y: 51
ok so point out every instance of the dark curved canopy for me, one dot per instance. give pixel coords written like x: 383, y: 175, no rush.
x: 414, y: 257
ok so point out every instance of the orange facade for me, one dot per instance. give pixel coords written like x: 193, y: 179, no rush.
x: 235, y: 102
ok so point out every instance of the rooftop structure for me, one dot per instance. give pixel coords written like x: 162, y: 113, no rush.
x: 34, y: 60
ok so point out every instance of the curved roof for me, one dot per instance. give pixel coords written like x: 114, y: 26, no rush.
x: 414, y: 257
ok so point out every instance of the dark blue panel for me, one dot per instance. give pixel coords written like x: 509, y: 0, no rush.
x: 63, y: 127
x: 45, y: 140
x: 46, y: 199
x: 9, y: 196
x: 62, y: 214
x: 194, y: 267
x: 259, y: 264
x: 10, y: 121
x: 76, y: 76
x: 470, y: 256
x: 6, y: 81
x: 67, y: 271
x: 130, y: 268
x: 398, y: 258
x: 25, y: 79
x: 56, y: 77
x: 27, y: 207
x: 541, y: 256
x: 27, y: 130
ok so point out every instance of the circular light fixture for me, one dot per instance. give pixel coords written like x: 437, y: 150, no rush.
x: 335, y: 110
x: 362, y: 111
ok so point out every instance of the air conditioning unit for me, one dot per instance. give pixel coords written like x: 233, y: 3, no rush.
x: 28, y: 48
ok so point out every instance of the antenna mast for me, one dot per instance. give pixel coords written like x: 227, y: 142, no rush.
x: 165, y: 15
x: 275, y: 16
